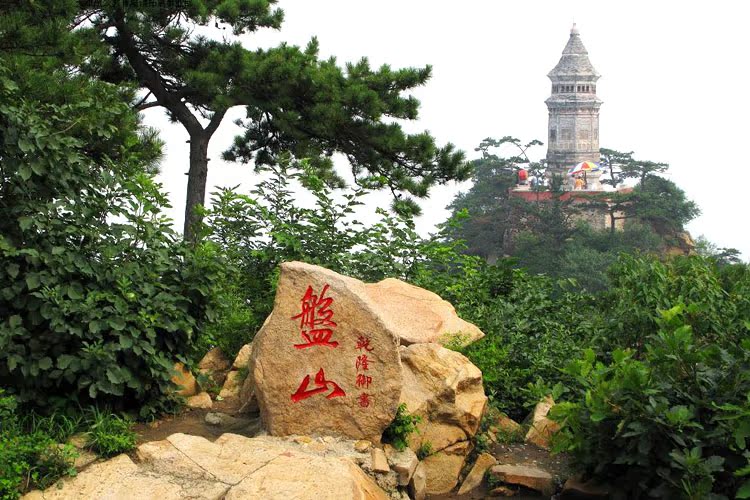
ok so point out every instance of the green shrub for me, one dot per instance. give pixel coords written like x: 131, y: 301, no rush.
x: 28, y: 459
x: 109, y: 434
x: 673, y: 424
x: 397, y: 433
x: 425, y: 450
x: 98, y: 295
x: 532, y: 329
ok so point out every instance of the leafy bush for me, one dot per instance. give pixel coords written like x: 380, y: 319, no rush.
x: 397, y: 432
x: 673, y: 424
x: 98, y: 297
x: 109, y: 434
x: 716, y: 299
x: 255, y: 233
x: 28, y: 459
x: 532, y: 328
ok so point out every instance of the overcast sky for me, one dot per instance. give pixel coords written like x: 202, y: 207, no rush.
x: 674, y: 85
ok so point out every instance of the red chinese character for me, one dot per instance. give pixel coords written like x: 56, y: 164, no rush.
x: 363, y: 343
x: 362, y: 363
x: 322, y: 386
x: 364, y: 400
x: 315, y: 319
x: 363, y: 381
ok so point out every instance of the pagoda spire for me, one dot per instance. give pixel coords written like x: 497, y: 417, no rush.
x: 573, y: 112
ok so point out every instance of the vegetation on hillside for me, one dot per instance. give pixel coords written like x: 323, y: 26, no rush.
x: 99, y: 297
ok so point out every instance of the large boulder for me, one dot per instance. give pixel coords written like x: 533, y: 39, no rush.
x: 325, y: 361
x: 476, y: 474
x: 525, y: 475
x: 420, y: 316
x: 232, y: 467
x: 445, y: 389
x: 444, y: 467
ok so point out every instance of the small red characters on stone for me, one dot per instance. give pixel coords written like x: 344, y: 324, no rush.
x: 322, y: 386
x: 363, y: 381
x: 363, y: 400
x: 363, y: 343
x: 362, y: 363
x: 315, y: 321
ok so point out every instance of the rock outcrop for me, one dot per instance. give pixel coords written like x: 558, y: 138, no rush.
x: 476, y: 474
x: 445, y: 389
x: 443, y: 468
x: 525, y: 475
x: 184, y: 380
x: 232, y: 467
x: 542, y: 428
x: 418, y: 315
x: 214, y: 365
x: 324, y: 361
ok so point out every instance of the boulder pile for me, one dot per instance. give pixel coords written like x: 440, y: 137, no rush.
x: 338, y: 356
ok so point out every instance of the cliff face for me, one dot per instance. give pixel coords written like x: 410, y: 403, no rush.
x: 680, y: 243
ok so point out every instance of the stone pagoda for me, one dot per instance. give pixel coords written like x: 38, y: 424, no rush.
x: 573, y: 113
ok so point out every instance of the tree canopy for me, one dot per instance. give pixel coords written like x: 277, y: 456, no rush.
x: 294, y: 101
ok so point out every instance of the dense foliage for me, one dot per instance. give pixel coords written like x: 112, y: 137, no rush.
x: 671, y: 423
x: 98, y: 298
x: 254, y: 233
x: 294, y: 101
x: 27, y: 458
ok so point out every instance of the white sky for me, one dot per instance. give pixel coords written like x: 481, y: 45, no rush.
x: 674, y: 79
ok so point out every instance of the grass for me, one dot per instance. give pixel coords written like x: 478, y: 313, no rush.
x: 32, y: 449
x: 109, y: 434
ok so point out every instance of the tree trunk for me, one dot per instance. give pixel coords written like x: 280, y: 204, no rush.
x: 196, y: 188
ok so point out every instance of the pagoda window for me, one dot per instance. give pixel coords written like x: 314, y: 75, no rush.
x: 566, y: 135
x: 552, y: 135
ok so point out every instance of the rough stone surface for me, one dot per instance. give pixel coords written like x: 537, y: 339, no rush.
x: 507, y: 425
x: 379, y: 460
x: 362, y: 446
x: 445, y: 389
x: 121, y: 479
x: 443, y: 468
x: 243, y: 357
x: 202, y: 401
x: 232, y: 467
x: 503, y: 491
x: 525, y: 475
x: 419, y: 315
x: 214, y: 361
x: 280, y: 369
x: 184, y: 380
x: 418, y: 483
x: 542, y: 428
x: 248, y: 401
x: 475, y: 476
x: 403, y: 463
x: 232, y: 385
x: 296, y: 476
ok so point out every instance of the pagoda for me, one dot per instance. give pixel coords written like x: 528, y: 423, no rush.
x: 573, y: 131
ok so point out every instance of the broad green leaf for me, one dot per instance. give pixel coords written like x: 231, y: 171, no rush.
x: 25, y: 172
x: 32, y: 281
x: 744, y: 490
x: 12, y: 270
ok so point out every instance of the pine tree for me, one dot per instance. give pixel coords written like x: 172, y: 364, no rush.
x: 294, y: 101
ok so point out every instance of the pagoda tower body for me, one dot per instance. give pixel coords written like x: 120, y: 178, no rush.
x: 573, y: 113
